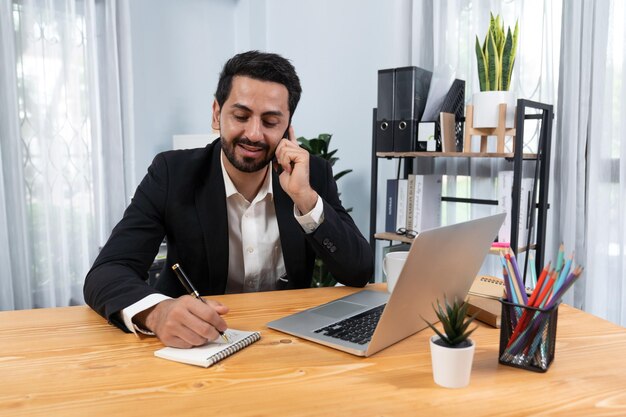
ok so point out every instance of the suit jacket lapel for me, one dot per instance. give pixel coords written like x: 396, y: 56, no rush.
x: 291, y: 235
x: 211, y: 205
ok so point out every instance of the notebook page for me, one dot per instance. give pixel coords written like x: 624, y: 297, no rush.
x: 212, y: 352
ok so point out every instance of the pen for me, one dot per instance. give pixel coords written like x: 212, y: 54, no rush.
x: 178, y: 270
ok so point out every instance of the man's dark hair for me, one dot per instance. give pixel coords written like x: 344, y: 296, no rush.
x: 261, y: 66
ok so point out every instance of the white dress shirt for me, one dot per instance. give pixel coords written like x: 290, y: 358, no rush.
x: 255, y: 255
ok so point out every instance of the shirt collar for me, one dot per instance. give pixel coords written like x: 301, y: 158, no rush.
x: 229, y: 186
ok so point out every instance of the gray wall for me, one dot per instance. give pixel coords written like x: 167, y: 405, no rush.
x: 178, y: 49
x: 336, y: 46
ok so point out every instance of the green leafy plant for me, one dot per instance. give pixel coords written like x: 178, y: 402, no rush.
x: 496, y: 56
x: 320, y: 146
x: 455, y: 323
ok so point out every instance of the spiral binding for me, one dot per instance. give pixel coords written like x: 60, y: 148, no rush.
x: 492, y: 280
x: 236, y: 347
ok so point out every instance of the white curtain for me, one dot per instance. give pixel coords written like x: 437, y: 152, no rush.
x: 16, y: 293
x: 61, y: 180
x: 591, y: 147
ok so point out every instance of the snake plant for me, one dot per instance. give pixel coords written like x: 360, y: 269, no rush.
x: 496, y: 56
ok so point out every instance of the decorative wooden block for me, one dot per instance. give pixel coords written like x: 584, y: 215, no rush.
x: 500, y: 131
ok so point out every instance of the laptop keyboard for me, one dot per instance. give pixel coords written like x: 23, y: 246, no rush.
x: 356, y: 329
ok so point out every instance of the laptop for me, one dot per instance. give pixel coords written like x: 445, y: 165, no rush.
x: 442, y: 261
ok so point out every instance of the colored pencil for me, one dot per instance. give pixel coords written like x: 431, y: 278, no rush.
x: 518, y: 276
x: 565, y: 271
x: 507, y: 285
x: 559, y: 258
x: 569, y: 281
x: 540, y: 283
x: 543, y: 297
x: 515, y: 281
x: 533, y: 271
x: 511, y: 295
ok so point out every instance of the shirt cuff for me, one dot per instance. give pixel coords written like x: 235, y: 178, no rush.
x: 145, y: 303
x: 311, y: 220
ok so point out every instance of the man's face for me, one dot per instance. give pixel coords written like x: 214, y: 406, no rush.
x: 252, y: 122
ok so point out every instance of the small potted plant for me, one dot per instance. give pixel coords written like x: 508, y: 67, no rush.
x: 495, y: 59
x: 452, y: 351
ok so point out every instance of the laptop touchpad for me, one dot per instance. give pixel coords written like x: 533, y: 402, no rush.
x: 338, y: 309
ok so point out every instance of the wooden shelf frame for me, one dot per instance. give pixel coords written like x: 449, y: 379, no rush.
x: 505, y: 155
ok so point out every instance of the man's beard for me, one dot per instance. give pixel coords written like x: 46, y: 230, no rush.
x: 246, y: 164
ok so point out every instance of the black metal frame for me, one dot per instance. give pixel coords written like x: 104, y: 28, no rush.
x: 542, y: 173
x: 373, y: 187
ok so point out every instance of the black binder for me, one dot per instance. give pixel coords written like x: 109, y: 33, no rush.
x: 384, y: 111
x: 411, y: 90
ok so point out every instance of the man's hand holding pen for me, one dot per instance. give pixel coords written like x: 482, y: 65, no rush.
x: 186, y: 321
x: 295, y: 176
x: 184, y: 280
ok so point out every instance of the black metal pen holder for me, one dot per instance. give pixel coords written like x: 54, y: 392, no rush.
x: 527, y: 336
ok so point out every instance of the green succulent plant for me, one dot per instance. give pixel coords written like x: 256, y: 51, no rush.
x: 455, y: 323
x: 496, y: 56
x: 320, y: 146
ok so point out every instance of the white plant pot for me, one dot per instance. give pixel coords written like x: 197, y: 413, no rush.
x: 452, y: 367
x: 486, y: 108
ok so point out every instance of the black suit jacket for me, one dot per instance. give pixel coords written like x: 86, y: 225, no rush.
x: 182, y: 197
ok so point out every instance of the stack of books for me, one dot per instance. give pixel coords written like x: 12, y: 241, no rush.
x: 413, y: 203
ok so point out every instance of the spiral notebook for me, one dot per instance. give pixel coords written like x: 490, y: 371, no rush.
x: 484, y: 299
x: 212, y: 352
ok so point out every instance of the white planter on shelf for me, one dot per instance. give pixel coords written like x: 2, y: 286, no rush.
x: 486, y: 108
x: 452, y: 367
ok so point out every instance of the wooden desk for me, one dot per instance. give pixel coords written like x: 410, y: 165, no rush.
x: 69, y: 362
